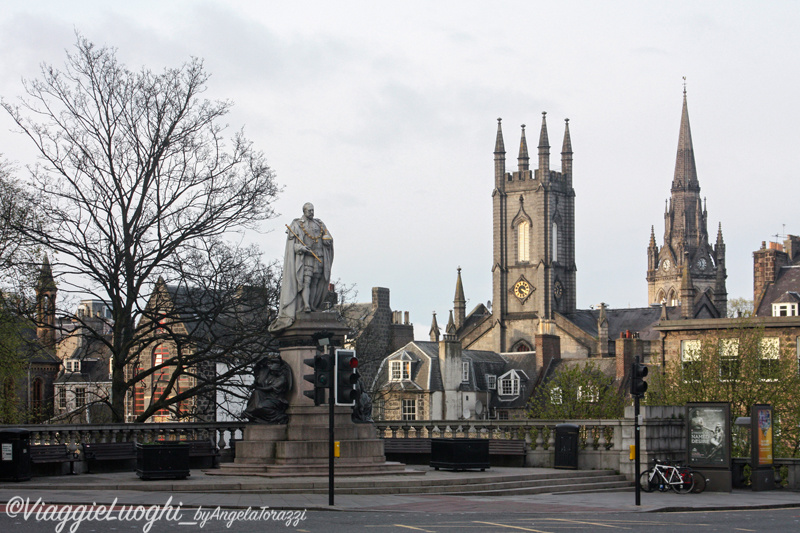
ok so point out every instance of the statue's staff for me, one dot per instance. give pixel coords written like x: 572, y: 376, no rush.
x: 301, y: 240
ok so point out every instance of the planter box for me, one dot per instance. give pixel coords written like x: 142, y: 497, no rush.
x: 460, y: 454
x: 169, y: 460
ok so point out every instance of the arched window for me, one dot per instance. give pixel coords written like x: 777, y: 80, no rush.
x: 555, y: 241
x: 523, y: 241
x: 673, y: 298
x: 37, y: 393
x: 160, y: 354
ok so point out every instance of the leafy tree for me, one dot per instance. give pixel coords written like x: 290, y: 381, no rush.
x: 577, y: 392
x: 19, y: 257
x: 742, y: 367
x: 740, y: 308
x: 12, y: 364
x: 138, y: 182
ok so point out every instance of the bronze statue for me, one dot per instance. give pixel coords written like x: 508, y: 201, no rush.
x: 269, y: 400
x: 362, y: 410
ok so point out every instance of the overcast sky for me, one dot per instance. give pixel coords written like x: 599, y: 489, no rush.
x: 383, y: 114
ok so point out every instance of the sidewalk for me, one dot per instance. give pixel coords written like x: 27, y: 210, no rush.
x: 233, y: 492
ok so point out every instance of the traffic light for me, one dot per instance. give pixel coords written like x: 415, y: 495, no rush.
x: 638, y: 373
x: 347, y: 375
x: 321, y: 378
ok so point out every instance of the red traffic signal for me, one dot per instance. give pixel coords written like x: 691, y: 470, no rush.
x: 345, y: 391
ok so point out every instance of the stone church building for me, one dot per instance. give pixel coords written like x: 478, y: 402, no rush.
x: 534, y: 314
x: 534, y: 270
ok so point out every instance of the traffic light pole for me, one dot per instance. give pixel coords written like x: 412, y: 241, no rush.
x: 331, y: 403
x: 636, y: 446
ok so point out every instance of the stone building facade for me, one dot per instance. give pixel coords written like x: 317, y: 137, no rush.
x: 534, y: 270
x: 776, y: 278
x: 158, y: 359
x: 377, y: 330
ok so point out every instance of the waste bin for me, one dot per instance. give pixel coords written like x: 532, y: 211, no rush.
x: 566, y: 446
x: 460, y: 454
x: 15, y: 457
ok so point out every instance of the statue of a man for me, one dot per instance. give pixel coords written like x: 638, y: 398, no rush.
x: 306, y: 268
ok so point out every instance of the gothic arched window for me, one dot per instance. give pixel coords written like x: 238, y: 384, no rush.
x: 661, y: 297
x: 523, y: 241
x: 673, y: 298
x: 555, y: 241
x: 37, y: 393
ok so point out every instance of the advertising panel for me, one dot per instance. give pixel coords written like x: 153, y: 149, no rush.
x: 709, y: 434
x: 761, y: 426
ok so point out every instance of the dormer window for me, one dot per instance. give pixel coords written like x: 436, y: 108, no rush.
x: 509, y: 384
x: 400, y: 371
x: 491, y: 381
x: 73, y: 365
x: 784, y: 309
x: 465, y: 372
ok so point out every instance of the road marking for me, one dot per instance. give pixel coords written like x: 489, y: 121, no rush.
x: 414, y: 528
x: 511, y: 527
x: 584, y: 523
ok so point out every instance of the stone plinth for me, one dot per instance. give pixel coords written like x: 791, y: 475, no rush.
x: 300, y: 448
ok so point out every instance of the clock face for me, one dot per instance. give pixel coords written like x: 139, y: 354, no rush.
x: 666, y: 264
x: 701, y: 263
x: 522, y: 289
x: 558, y: 289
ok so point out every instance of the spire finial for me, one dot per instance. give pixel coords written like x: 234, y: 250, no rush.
x: 684, y: 86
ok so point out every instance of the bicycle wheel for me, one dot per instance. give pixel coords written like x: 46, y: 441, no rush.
x: 645, y: 482
x: 682, y: 481
x: 699, y: 482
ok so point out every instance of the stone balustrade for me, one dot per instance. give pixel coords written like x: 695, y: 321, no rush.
x: 75, y: 435
x: 603, y: 444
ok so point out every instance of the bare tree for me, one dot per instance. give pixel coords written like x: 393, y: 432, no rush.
x: 137, y: 182
x: 19, y: 256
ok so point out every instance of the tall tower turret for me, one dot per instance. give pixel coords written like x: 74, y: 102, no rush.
x: 46, y: 305
x: 686, y: 243
x: 534, y: 242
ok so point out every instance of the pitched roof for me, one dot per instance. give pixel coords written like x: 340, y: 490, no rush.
x: 787, y: 281
x: 635, y: 319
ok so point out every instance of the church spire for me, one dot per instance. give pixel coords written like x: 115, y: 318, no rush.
x: 435, y: 331
x: 450, y: 330
x: 499, y: 158
x: 459, y: 302
x: 499, y: 147
x: 46, y: 305
x: 685, y: 170
x: 566, y: 154
x: 544, y: 150
x: 523, y: 161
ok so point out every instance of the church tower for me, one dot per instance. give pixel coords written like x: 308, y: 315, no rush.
x: 686, y: 253
x: 46, y: 305
x: 533, y: 272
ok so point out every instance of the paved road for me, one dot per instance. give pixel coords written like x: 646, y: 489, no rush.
x: 378, y: 513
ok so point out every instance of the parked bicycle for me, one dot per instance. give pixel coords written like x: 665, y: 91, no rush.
x: 666, y: 476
